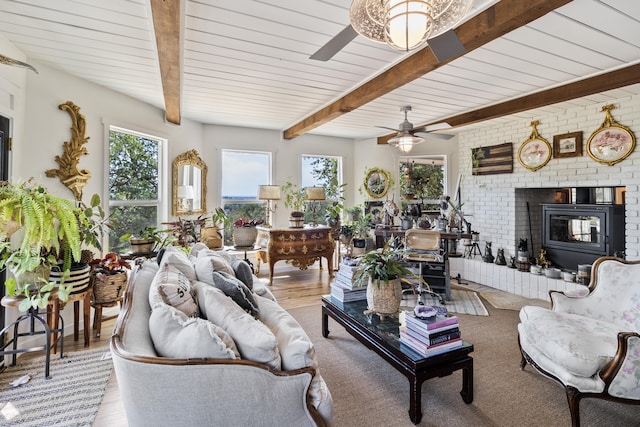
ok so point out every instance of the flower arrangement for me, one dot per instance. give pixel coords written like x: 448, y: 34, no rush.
x: 246, y: 222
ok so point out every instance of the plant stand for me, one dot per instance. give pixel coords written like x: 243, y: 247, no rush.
x: 32, y: 316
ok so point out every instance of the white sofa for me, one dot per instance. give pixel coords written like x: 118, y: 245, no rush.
x: 193, y: 391
x: 588, y: 341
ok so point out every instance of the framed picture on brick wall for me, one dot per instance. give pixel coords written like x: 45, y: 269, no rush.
x: 567, y: 145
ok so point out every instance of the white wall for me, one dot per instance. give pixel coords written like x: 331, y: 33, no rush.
x: 286, y: 157
x: 490, y: 199
x: 368, y: 153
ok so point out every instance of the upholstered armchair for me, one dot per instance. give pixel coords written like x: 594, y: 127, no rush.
x: 588, y: 341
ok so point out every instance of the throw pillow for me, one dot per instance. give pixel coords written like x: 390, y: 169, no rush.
x: 181, y: 292
x: 176, y: 335
x: 178, y: 259
x: 296, y: 350
x: 236, y: 290
x: 254, y: 339
x: 180, y: 297
x: 242, y: 271
x: 208, y: 262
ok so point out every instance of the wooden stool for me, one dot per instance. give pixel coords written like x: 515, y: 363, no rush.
x: 85, y: 297
x: 33, y: 315
x: 97, y: 314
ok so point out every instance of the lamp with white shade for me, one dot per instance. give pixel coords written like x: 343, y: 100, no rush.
x: 269, y: 193
x: 314, y: 195
x: 186, y: 194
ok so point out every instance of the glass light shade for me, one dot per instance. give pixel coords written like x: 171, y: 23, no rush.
x: 315, y: 193
x: 269, y: 192
x: 405, y: 142
x: 408, y: 23
x: 430, y: 18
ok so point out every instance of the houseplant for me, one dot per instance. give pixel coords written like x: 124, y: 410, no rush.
x: 245, y: 232
x: 294, y: 199
x: 109, y: 276
x: 210, y: 232
x: 382, y: 270
x: 49, y: 226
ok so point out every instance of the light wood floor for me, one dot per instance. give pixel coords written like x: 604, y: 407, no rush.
x: 292, y: 288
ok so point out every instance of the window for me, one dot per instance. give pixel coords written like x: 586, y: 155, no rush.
x: 136, y: 185
x: 422, y: 182
x: 322, y: 171
x: 242, y: 173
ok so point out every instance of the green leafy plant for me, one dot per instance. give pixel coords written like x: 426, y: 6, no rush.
x: 219, y: 218
x: 381, y: 265
x: 294, y: 196
x: 50, y: 226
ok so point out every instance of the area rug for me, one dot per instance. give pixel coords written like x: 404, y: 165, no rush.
x: 462, y: 302
x: 508, y: 301
x: 71, y: 397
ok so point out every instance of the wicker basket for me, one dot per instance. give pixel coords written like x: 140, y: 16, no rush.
x: 384, y: 299
x: 108, y: 288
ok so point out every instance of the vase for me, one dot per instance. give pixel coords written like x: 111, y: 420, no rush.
x: 384, y: 298
x: 296, y: 220
x: 244, y: 236
x: 211, y: 237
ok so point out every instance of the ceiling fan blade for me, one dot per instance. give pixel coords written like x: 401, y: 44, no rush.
x: 444, y: 136
x: 335, y: 45
x: 384, y: 127
x: 446, y: 46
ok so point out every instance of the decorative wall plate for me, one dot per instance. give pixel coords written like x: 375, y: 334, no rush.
x: 611, y: 142
x: 535, y: 152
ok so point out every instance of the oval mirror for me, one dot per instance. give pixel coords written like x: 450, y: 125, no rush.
x: 189, y: 184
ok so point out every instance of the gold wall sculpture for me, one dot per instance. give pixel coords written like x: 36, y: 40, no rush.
x: 68, y: 171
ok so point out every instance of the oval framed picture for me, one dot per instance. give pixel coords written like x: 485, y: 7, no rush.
x: 610, y: 144
x: 534, y: 153
x: 376, y: 183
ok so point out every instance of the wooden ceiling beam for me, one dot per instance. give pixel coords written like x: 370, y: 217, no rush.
x: 166, y: 24
x: 483, y: 28
x: 603, y: 82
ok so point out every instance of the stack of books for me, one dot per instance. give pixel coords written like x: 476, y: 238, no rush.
x: 432, y: 335
x: 343, y: 290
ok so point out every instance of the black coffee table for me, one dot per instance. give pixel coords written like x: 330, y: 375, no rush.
x: 383, y: 338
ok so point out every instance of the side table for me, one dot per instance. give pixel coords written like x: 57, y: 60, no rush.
x: 85, y: 298
x: 33, y: 316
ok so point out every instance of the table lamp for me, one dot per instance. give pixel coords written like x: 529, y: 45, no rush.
x: 313, y: 195
x: 186, y: 194
x: 269, y: 193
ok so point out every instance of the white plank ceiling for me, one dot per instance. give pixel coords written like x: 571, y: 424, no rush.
x: 246, y: 62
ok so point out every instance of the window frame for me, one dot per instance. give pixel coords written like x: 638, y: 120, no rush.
x: 161, y: 203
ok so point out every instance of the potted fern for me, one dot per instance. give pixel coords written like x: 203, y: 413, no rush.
x: 48, y: 226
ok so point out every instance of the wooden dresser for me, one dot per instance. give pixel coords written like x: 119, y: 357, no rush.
x: 300, y: 247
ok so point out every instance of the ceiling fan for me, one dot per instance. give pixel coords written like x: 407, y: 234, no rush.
x: 367, y: 19
x: 406, y: 129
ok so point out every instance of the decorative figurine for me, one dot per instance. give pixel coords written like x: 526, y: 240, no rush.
x: 512, y: 262
x: 500, y: 260
x: 488, y: 255
x: 542, y: 259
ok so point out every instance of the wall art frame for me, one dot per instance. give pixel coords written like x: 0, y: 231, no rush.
x: 567, y: 145
x: 611, y: 142
x: 535, y: 152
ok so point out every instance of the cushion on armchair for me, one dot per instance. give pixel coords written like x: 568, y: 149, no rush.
x: 577, y: 343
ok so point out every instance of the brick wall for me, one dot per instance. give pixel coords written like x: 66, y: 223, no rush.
x: 495, y: 208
